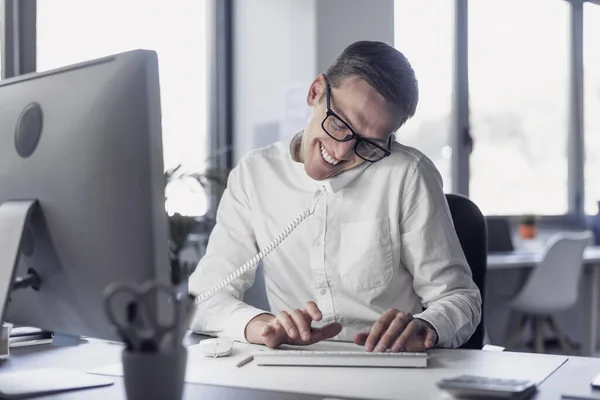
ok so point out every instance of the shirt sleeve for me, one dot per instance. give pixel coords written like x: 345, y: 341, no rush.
x: 232, y: 242
x: 432, y: 253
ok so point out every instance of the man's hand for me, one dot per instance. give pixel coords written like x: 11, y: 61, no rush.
x: 398, y: 331
x: 291, y: 327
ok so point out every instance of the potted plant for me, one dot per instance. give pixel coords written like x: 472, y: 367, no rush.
x: 210, y: 184
x: 527, y: 228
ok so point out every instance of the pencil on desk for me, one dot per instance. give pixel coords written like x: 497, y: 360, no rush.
x: 27, y: 343
x: 244, y: 361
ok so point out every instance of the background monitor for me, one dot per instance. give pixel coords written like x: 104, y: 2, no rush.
x: 499, y: 233
x: 84, y: 143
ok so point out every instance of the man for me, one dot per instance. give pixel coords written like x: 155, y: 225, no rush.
x: 378, y: 261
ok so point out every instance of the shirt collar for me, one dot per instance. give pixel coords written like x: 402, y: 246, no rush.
x: 333, y: 184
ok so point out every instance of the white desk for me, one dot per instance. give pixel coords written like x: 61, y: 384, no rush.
x: 572, y: 376
x: 371, y: 383
x: 85, y: 357
x: 591, y: 286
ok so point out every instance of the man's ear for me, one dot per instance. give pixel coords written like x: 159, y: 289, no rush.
x: 316, y: 91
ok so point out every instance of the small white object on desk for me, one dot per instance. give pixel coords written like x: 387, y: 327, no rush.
x: 35, y: 382
x: 216, y: 347
x: 491, y: 347
x: 342, y: 358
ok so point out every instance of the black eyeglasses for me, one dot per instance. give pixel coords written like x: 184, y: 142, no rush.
x: 340, y: 131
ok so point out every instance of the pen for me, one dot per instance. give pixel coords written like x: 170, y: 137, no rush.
x: 30, y: 343
x: 244, y: 361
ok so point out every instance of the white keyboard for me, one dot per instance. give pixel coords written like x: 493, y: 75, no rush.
x: 342, y: 359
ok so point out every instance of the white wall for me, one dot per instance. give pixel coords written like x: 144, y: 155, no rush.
x: 274, y: 45
x: 343, y: 22
x: 283, y: 42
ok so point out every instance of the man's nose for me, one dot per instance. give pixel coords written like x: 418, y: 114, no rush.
x: 343, y: 150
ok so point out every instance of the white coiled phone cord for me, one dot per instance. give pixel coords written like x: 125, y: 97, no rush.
x: 204, y: 296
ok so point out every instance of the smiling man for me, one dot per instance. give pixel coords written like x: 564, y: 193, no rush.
x: 378, y: 261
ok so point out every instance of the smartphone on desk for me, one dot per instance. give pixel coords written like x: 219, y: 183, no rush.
x: 478, y: 387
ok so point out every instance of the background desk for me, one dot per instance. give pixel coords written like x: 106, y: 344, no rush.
x: 573, y: 376
x: 591, y: 287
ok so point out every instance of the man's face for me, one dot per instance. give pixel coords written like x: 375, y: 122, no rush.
x: 361, y: 107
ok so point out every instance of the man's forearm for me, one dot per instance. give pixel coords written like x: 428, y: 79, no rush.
x: 454, y: 318
x: 224, y: 315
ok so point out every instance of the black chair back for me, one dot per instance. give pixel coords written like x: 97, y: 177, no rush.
x: 470, y: 226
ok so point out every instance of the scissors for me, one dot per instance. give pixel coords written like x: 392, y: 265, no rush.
x: 139, y: 326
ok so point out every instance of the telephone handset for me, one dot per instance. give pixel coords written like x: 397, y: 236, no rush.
x: 207, y: 294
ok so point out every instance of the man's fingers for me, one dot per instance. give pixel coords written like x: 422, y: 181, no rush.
x: 361, y: 338
x: 397, y: 326
x: 312, y: 309
x: 326, y: 332
x: 267, y: 330
x: 275, y: 336
x: 379, y: 327
x: 298, y: 317
x: 430, y: 339
x: 412, y: 339
x: 288, y: 324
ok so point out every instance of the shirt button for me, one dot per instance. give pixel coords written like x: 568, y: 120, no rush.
x: 317, y: 243
x: 322, y: 292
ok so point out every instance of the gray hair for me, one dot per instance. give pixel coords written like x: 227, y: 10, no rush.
x: 384, y: 68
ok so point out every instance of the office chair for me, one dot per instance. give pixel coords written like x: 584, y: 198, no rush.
x: 551, y: 287
x: 471, y: 230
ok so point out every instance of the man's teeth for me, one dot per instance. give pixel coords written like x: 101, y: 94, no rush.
x: 328, y: 158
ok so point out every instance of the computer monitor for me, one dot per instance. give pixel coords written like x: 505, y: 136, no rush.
x: 499, y: 235
x: 82, y: 184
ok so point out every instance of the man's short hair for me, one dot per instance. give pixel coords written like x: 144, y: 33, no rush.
x: 384, y: 68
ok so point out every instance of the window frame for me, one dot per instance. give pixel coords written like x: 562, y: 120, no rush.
x: 463, y: 142
x: 18, y: 45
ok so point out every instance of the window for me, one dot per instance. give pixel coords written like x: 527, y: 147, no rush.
x: 591, y: 63
x: 71, y: 31
x: 423, y: 33
x: 519, y: 102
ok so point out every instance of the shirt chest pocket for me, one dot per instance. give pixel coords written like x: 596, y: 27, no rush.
x: 366, y: 254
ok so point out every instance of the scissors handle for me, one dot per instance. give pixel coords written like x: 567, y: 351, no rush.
x: 141, y: 329
x: 125, y: 332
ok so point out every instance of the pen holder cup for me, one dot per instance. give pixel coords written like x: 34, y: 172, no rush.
x: 154, y: 375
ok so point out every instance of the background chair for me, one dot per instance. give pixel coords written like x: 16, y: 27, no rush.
x: 471, y: 230
x: 551, y: 287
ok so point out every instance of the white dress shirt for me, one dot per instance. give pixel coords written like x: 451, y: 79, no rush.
x: 380, y: 237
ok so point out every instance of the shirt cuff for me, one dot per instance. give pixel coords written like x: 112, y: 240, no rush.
x: 441, y: 324
x: 235, y: 326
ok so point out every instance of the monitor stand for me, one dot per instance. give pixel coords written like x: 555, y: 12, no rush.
x: 14, y: 216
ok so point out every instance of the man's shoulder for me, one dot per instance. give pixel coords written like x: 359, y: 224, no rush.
x: 405, y: 157
x: 407, y: 164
